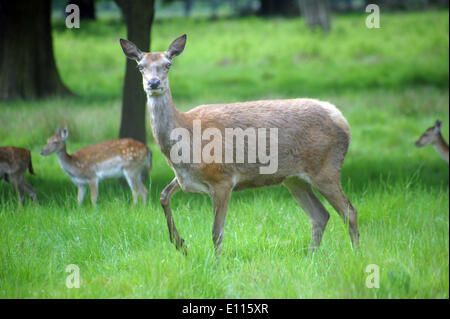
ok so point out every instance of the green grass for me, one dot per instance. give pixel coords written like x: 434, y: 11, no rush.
x: 390, y: 83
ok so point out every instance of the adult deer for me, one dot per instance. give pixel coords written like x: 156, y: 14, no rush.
x: 313, y: 139
x: 14, y: 162
x: 434, y: 137
x: 115, y: 158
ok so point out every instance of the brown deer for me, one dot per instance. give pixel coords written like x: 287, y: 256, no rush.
x: 14, y: 162
x: 313, y: 139
x: 434, y: 137
x: 115, y: 158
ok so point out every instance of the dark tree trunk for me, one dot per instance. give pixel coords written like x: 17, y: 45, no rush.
x: 87, y: 8
x: 139, y: 18
x: 214, y: 6
x: 316, y: 14
x: 188, y: 4
x: 27, y: 64
x: 279, y: 7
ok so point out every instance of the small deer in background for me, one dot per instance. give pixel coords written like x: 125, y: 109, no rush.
x: 313, y: 139
x: 14, y: 162
x: 115, y: 158
x: 434, y: 137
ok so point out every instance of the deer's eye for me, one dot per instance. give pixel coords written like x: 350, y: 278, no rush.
x: 140, y: 67
x: 168, y: 65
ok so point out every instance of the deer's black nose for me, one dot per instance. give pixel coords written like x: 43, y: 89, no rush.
x: 154, y: 83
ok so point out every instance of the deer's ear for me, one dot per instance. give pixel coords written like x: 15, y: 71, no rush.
x: 65, y: 134
x: 131, y: 50
x: 58, y: 130
x: 438, y: 126
x: 177, y: 47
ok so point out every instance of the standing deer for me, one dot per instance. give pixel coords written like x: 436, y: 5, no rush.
x: 313, y: 139
x: 115, y: 158
x: 14, y: 162
x: 434, y: 137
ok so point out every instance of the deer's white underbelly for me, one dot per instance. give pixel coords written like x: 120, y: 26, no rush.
x: 189, y: 183
x: 110, y: 168
x: 78, y: 181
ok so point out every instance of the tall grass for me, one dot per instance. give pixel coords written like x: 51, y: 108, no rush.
x: 390, y: 83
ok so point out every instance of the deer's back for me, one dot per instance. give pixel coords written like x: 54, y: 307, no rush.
x: 282, y: 114
x: 14, y: 159
x: 126, y: 149
x: 308, y: 130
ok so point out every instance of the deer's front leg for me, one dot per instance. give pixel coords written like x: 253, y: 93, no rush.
x: 166, y: 194
x: 81, y: 193
x: 221, y: 198
x: 93, y: 185
x: 16, y: 184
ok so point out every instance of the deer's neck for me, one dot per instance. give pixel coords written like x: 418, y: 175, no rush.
x: 66, y: 161
x: 164, y: 117
x: 442, y: 148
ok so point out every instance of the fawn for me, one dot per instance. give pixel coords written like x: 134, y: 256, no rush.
x: 115, y: 158
x: 433, y: 136
x: 14, y: 162
x: 313, y: 139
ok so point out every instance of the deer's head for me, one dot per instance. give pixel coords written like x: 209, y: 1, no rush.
x: 430, y: 136
x: 154, y: 66
x: 57, y: 142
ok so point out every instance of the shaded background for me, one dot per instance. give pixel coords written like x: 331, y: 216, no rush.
x: 28, y: 69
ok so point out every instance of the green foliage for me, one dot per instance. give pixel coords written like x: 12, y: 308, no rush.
x: 253, y: 58
x: 389, y: 83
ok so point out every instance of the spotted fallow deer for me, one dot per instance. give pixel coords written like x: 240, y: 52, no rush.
x: 115, y: 158
x: 313, y: 139
x: 14, y: 162
x: 434, y: 137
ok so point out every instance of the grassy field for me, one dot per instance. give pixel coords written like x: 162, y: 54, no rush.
x: 390, y: 83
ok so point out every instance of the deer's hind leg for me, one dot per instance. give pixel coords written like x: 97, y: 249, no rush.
x: 130, y: 176
x: 81, y: 193
x: 330, y: 187
x: 16, y: 180
x: 312, y: 206
x: 221, y: 198
x: 30, y: 191
x: 93, y: 187
x: 143, y: 191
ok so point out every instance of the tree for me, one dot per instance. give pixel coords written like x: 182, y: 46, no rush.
x: 316, y: 13
x: 27, y: 64
x: 139, y: 16
x: 279, y: 7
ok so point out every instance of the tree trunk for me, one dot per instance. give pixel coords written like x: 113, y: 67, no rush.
x: 316, y: 14
x: 139, y: 18
x: 87, y: 8
x: 27, y: 65
x: 279, y: 7
x: 188, y: 4
x: 214, y: 6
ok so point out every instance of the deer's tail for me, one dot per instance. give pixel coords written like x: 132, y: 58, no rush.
x: 149, y: 158
x: 30, y: 166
